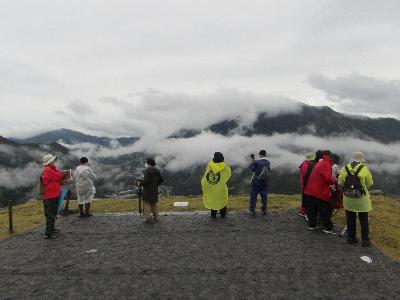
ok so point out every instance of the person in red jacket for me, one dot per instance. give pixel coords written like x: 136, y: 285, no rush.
x: 305, y: 166
x: 318, y: 189
x: 51, y: 178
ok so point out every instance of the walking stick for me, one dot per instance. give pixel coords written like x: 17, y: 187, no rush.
x: 10, y: 218
x: 139, y: 194
x: 343, y: 231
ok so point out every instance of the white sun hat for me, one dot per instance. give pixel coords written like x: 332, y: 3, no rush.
x: 358, y: 156
x: 48, y: 159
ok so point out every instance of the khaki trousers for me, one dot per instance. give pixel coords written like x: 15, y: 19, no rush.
x: 149, y: 209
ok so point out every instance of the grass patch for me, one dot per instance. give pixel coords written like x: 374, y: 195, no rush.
x: 384, y: 219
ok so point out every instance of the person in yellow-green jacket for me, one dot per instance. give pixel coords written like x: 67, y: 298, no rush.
x: 356, y: 179
x: 214, y: 185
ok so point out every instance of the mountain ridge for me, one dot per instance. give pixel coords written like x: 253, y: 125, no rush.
x: 316, y: 120
x: 322, y: 121
x: 72, y: 137
x: 319, y: 121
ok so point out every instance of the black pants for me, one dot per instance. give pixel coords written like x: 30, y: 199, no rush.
x: 221, y: 211
x: 324, y: 209
x: 306, y: 202
x: 351, y: 220
x: 50, y: 212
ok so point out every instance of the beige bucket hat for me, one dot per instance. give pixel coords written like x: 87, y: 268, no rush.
x: 310, y: 156
x: 48, y: 159
x: 358, y: 156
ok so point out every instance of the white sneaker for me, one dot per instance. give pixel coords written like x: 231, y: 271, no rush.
x: 328, y: 231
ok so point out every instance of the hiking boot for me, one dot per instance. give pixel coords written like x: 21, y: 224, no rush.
x: 351, y: 241
x: 49, y: 236
x: 365, y: 243
x: 264, y: 213
x: 252, y: 213
x: 88, y: 215
x: 56, y: 233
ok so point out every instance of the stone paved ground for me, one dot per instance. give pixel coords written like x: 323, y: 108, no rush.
x: 192, y: 257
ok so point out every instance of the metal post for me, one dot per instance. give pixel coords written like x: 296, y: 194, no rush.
x: 10, y: 217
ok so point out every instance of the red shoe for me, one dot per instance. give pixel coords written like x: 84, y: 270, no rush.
x: 302, y: 212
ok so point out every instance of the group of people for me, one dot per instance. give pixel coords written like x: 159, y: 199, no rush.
x: 218, y: 173
x: 51, y: 181
x: 325, y: 187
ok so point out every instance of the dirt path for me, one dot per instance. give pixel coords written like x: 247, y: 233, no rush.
x: 191, y: 256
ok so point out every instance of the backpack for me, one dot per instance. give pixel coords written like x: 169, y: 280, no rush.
x: 352, y: 186
x: 336, y: 199
x: 264, y: 174
x: 40, y: 187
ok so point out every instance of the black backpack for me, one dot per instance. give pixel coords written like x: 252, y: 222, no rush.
x: 264, y: 174
x: 306, y: 176
x: 352, y: 187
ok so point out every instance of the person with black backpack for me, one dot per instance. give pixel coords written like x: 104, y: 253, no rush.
x: 261, y: 168
x: 305, y: 171
x: 356, y: 179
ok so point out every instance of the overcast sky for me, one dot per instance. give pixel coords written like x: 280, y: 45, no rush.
x: 102, y: 66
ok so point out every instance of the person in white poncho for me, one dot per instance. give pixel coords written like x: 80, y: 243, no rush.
x: 85, y: 190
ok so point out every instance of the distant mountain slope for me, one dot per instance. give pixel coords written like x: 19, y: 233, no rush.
x: 4, y: 141
x: 322, y: 121
x: 20, y: 167
x: 74, y: 137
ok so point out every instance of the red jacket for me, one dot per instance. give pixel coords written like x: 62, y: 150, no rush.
x: 320, y: 180
x: 303, y: 170
x: 51, y: 178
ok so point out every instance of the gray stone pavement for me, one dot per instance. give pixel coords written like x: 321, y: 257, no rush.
x: 192, y: 257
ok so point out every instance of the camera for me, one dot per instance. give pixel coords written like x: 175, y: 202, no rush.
x: 252, y: 156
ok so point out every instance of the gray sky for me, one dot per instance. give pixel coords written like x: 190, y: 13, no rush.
x: 102, y: 66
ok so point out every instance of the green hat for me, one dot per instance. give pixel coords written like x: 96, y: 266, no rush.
x: 310, y: 156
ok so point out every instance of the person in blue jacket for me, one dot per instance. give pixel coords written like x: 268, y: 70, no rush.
x: 259, y: 182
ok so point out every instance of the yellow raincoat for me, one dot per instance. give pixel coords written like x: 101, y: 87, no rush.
x: 362, y: 204
x: 213, y: 184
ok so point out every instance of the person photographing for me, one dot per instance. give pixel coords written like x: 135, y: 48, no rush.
x: 51, y: 179
x: 261, y: 168
x: 151, y: 180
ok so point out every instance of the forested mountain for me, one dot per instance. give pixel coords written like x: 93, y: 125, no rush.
x: 21, y: 163
x: 74, y: 137
x: 321, y: 121
x: 20, y: 167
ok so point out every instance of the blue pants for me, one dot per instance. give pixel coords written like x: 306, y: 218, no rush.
x: 255, y: 190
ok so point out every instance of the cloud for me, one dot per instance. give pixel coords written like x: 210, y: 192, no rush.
x: 80, y: 107
x: 155, y: 114
x: 355, y: 93
x: 286, y: 151
x: 26, y: 176
x: 262, y: 46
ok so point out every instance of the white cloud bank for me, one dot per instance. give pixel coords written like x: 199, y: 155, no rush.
x: 286, y: 151
x: 155, y: 114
